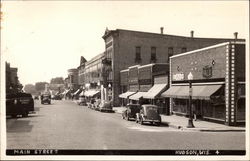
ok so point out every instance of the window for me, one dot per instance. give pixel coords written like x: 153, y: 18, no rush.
x: 183, y: 50
x: 170, y: 52
x: 153, y: 55
x: 137, y: 54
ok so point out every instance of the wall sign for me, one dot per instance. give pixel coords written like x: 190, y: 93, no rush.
x: 178, y: 76
x: 207, y: 71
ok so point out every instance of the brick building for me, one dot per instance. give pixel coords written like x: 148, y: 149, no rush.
x: 12, y: 83
x: 144, y: 84
x: 218, y: 83
x: 125, y: 48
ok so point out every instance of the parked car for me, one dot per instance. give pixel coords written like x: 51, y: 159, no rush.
x: 130, y: 112
x: 58, y: 97
x: 96, y: 105
x: 106, y: 106
x: 19, y: 104
x: 36, y: 98
x: 46, y: 98
x: 149, y: 113
x: 82, y: 101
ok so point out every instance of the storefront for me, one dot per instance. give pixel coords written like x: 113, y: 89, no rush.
x: 217, y: 84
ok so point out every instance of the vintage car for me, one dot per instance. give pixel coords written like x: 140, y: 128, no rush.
x: 106, y: 106
x: 82, y: 101
x: 19, y: 104
x: 36, y: 98
x: 149, y: 113
x: 131, y: 110
x: 45, y: 98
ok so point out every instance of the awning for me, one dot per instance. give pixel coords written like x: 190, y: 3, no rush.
x: 198, y: 92
x: 77, y: 92
x: 155, y: 91
x: 91, y: 93
x: 126, y: 94
x: 82, y: 93
x: 137, y: 96
x: 65, y: 92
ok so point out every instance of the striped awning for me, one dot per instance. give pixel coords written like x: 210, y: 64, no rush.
x: 126, y: 94
x: 198, y: 91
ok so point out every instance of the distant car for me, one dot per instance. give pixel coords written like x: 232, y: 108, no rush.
x: 149, y: 113
x: 36, y: 98
x: 106, y: 106
x: 19, y: 104
x: 82, y: 101
x: 57, y: 97
x: 131, y: 110
x: 45, y: 98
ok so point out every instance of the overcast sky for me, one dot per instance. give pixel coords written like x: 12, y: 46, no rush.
x: 45, y: 38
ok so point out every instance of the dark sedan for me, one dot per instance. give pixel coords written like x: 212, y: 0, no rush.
x: 149, y: 113
x: 130, y: 112
x: 19, y: 104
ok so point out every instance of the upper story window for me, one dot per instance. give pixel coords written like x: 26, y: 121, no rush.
x: 183, y: 50
x: 170, y: 52
x: 153, y: 54
x: 137, y: 54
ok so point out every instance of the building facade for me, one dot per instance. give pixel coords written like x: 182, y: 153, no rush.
x: 125, y: 48
x: 217, y: 75
x: 144, y: 85
x: 73, y: 79
x: 12, y: 82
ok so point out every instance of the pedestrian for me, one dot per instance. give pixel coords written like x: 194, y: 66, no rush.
x: 194, y: 112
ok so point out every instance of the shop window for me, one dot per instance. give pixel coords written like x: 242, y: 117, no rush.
x: 153, y: 55
x: 137, y: 54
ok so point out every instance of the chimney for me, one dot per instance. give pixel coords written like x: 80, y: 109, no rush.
x: 162, y: 28
x: 192, y: 33
x: 235, y: 35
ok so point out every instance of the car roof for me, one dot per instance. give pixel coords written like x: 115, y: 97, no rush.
x: 148, y: 105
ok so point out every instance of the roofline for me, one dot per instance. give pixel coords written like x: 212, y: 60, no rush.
x: 206, y: 48
x: 165, y: 35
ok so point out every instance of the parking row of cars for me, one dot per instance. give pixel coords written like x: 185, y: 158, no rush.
x: 95, y: 104
x: 142, y: 113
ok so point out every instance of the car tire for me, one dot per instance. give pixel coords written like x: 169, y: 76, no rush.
x: 14, y: 115
x: 141, y: 121
x: 127, y: 118
x: 25, y: 114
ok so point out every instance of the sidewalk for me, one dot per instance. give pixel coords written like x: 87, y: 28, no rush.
x: 181, y: 122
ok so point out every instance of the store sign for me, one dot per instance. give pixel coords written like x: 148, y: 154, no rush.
x: 178, y: 76
x: 207, y: 71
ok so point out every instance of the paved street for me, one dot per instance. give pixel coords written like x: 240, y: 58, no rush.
x: 65, y: 125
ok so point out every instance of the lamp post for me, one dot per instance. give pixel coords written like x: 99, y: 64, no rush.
x: 190, y: 120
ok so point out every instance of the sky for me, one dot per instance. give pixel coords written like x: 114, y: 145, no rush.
x: 44, y: 39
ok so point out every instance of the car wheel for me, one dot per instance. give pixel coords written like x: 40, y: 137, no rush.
x: 13, y: 115
x: 158, y: 124
x: 25, y: 114
x: 127, y: 118
x: 141, y: 121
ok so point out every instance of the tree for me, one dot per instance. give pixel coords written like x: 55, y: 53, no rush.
x: 40, y: 86
x: 30, y: 88
x: 57, y: 80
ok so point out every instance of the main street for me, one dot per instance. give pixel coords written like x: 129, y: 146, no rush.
x: 65, y: 125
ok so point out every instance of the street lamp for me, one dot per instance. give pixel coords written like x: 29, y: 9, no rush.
x: 190, y: 120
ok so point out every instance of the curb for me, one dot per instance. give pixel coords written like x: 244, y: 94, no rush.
x: 206, y: 130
